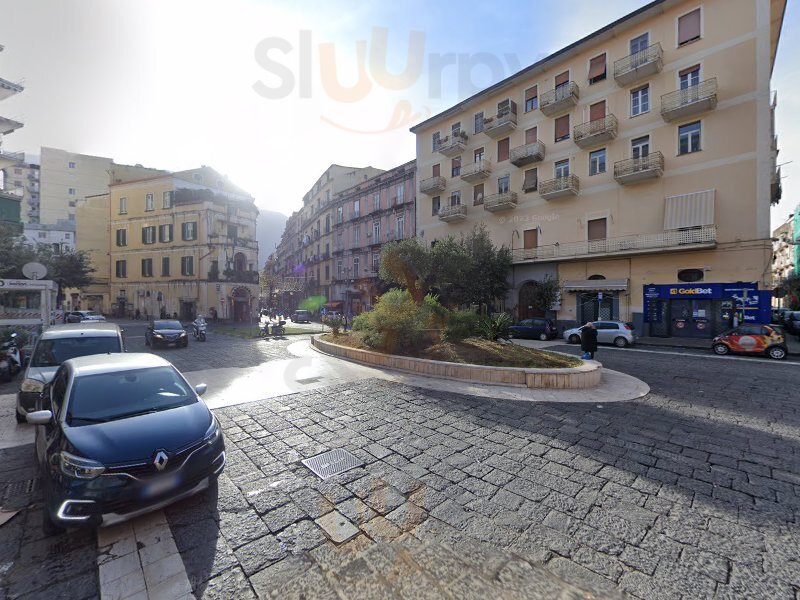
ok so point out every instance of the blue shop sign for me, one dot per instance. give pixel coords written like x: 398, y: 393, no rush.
x: 755, y: 304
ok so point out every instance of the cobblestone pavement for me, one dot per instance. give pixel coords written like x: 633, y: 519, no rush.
x: 692, y: 492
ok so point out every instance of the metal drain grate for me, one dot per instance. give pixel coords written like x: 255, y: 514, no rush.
x: 308, y: 380
x: 19, y: 488
x: 332, y: 463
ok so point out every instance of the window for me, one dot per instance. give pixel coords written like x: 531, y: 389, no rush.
x: 339, y: 269
x: 17, y: 171
x: 165, y: 266
x: 689, y: 77
x: 689, y: 138
x: 66, y: 236
x: 532, y: 98
x: 690, y: 275
x: 123, y: 206
x: 42, y: 234
x: 455, y: 198
x: 597, y: 111
x: 530, y: 182
x: 356, y: 266
x: 376, y: 231
x: 122, y: 269
x: 436, y: 204
x: 478, y: 122
x: 530, y: 238
x: 640, y: 147
x: 147, y: 267
x: 505, y: 107
x: 376, y: 262
x: 122, y: 237
x: 435, y: 141
x: 561, y: 81
x: 339, y: 214
x: 376, y: 205
x: 72, y: 165
x: 640, y: 100
x: 503, y: 147
x: 71, y: 191
x: 477, y: 195
x: 357, y: 236
x: 149, y: 234
x: 401, y: 193
x: 597, y: 161
x: 189, y: 231
x: 640, y: 43
x: 187, y: 265
x: 455, y: 129
x: 596, y: 229
x: 562, y: 168
x: 689, y: 27
x: 166, y: 200
x: 357, y: 208
x: 327, y: 272
x: 56, y: 248
x: 165, y: 233
x: 503, y: 184
x: 478, y: 155
x: 562, y: 128
x: 149, y: 204
x: 455, y: 168
x: 531, y: 135
x: 400, y: 228
x: 233, y: 232
x: 436, y: 170
x: 597, y: 69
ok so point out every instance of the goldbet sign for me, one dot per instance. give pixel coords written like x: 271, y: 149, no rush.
x: 695, y: 291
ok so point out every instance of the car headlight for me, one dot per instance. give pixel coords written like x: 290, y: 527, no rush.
x: 33, y: 386
x: 183, y: 334
x: 157, y: 334
x: 213, y: 433
x: 79, y: 468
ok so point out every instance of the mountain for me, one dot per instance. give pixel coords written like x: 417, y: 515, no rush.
x: 269, y: 228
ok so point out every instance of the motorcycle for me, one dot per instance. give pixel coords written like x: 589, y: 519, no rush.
x: 277, y: 328
x: 10, y: 359
x: 200, y: 332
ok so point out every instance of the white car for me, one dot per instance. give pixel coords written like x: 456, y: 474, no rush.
x: 608, y: 332
x: 83, y: 316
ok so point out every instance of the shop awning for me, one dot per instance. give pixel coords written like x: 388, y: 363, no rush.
x: 595, y: 285
x: 334, y: 304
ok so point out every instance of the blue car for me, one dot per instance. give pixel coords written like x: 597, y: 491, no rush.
x: 539, y: 329
x: 120, y: 435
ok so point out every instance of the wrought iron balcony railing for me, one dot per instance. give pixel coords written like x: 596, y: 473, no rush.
x: 633, y: 170
x: 560, y: 99
x: 568, y: 185
x: 527, y: 154
x: 595, y: 132
x: 690, y: 100
x: 639, y: 65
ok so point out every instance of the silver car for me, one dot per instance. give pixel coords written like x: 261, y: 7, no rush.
x: 608, y: 332
x: 83, y: 316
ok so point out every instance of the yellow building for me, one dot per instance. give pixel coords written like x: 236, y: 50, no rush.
x: 639, y: 157
x: 176, y: 243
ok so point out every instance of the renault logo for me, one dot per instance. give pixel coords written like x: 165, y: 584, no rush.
x: 160, y: 460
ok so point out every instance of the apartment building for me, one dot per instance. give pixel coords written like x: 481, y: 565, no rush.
x: 636, y: 165
x: 367, y: 216
x: 786, y: 249
x: 60, y: 237
x: 181, y: 242
x: 10, y: 195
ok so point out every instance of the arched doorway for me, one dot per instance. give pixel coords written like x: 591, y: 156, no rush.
x: 525, y: 305
x: 239, y: 262
x: 240, y: 304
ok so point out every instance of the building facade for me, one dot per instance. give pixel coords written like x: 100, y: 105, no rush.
x: 60, y: 237
x: 786, y: 249
x: 642, y: 154
x: 22, y: 179
x: 10, y: 195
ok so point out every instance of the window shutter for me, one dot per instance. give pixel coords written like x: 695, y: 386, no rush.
x: 477, y: 195
x: 597, y: 66
x: 562, y: 78
x: 531, y: 93
x: 530, y: 180
x: 144, y: 235
x: 562, y: 127
x: 688, y: 70
x: 597, y: 229
x: 530, y: 135
x: 436, y: 170
x: 502, y: 150
x: 689, y: 27
x: 597, y: 111
x: 531, y: 239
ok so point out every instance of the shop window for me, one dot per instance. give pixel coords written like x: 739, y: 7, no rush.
x: 690, y: 275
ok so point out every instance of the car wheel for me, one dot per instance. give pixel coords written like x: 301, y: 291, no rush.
x: 20, y: 418
x: 574, y: 339
x: 777, y: 353
x: 620, y: 342
x: 543, y: 337
x: 721, y: 349
x: 50, y: 528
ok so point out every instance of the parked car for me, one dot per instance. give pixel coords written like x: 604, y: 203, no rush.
x: 608, y: 332
x: 791, y: 321
x: 60, y: 343
x: 301, y: 316
x: 121, y: 435
x: 166, y: 332
x: 81, y: 316
x: 752, y: 339
x: 537, y: 328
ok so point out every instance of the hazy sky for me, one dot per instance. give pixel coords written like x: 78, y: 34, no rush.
x: 178, y: 83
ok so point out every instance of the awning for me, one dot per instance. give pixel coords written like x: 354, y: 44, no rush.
x: 595, y: 285
x: 334, y: 304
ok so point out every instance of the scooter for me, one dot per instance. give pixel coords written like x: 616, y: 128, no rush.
x: 200, y: 332
x: 10, y: 359
x: 277, y: 328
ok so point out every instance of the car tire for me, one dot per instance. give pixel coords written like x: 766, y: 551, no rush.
x: 574, y: 339
x: 776, y: 352
x: 721, y: 349
x: 542, y: 337
x: 620, y: 342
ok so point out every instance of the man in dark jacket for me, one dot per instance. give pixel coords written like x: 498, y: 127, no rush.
x: 589, y: 339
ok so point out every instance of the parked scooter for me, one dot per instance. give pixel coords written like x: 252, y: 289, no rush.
x: 200, y: 331
x: 277, y: 328
x: 10, y: 359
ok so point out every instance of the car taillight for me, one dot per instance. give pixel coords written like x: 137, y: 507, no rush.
x: 628, y: 327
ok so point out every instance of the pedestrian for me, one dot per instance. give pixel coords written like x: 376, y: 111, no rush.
x: 588, y: 340
x: 138, y: 315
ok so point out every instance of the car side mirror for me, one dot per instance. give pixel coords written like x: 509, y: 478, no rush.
x: 200, y: 389
x: 39, y: 417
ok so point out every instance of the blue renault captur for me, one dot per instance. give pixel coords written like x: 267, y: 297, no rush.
x: 120, y: 435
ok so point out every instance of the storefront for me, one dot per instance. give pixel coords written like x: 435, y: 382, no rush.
x: 703, y: 310
x: 595, y: 299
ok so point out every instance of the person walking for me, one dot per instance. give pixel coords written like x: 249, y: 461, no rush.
x: 589, y: 340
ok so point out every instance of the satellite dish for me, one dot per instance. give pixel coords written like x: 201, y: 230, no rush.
x: 34, y: 270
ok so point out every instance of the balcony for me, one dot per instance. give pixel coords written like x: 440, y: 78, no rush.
x: 477, y: 171
x: 527, y: 154
x: 500, y: 125
x: 8, y: 125
x: 638, y: 66
x: 432, y: 185
x: 692, y: 100
x: 559, y: 100
x: 240, y: 276
x: 338, y: 250
x: 452, y: 145
x: 500, y: 202
x: 8, y: 88
x: 550, y: 189
x: 595, y: 132
x: 8, y: 159
x: 634, y: 170
x: 643, y: 243
x: 452, y: 214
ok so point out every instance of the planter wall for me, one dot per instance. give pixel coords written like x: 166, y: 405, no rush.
x: 587, y: 375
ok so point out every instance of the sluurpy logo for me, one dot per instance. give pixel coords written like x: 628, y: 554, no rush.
x: 296, y: 68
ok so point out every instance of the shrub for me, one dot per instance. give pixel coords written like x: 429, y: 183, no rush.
x: 461, y: 324
x: 335, y: 323
x: 494, y: 327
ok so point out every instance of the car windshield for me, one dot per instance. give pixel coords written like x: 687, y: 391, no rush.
x: 167, y: 325
x: 51, y: 353
x: 112, y: 396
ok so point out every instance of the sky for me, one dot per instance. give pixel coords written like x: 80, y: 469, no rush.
x: 271, y: 92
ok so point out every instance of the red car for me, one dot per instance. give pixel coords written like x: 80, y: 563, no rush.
x: 752, y: 339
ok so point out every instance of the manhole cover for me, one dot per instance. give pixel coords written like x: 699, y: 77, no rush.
x: 332, y: 463
x: 19, y: 488
x: 309, y: 380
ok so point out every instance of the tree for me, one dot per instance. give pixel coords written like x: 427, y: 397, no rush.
x: 407, y: 263
x: 14, y: 252
x: 545, y: 293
